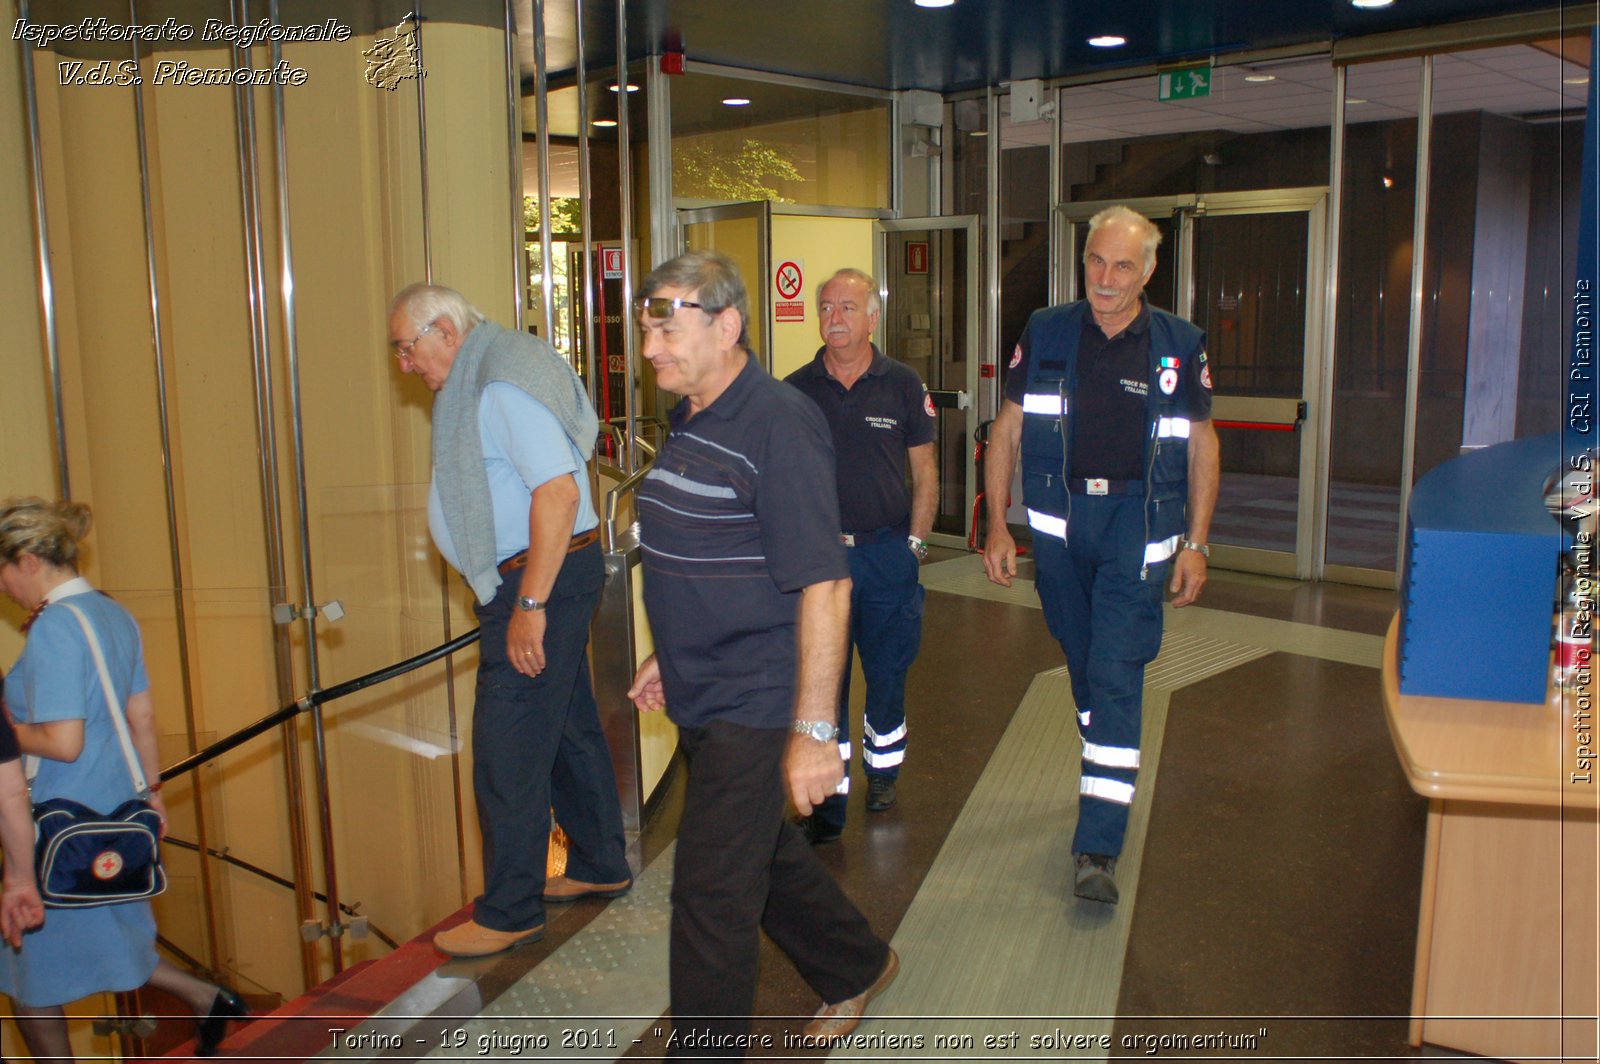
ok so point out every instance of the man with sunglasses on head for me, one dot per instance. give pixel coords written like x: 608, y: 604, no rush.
x: 882, y: 422
x: 509, y: 509
x: 748, y: 593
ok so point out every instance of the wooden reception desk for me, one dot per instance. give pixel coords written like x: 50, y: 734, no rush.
x: 1508, y: 943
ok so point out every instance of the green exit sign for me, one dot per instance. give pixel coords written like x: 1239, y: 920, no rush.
x: 1185, y: 83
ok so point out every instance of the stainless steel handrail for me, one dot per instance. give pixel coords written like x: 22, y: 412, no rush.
x: 615, y: 495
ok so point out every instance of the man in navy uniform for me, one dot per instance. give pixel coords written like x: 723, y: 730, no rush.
x: 882, y: 421
x: 509, y: 509
x: 1109, y: 404
x: 748, y: 594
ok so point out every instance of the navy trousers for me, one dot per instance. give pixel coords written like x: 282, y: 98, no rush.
x: 1108, y: 622
x: 886, y: 603
x: 742, y: 868
x: 537, y: 743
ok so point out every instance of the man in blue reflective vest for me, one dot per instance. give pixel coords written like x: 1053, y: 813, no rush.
x: 1108, y: 402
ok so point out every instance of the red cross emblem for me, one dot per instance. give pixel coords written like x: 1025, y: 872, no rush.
x: 107, y: 865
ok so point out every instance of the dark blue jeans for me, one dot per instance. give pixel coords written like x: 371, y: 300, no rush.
x: 1108, y: 622
x: 537, y: 743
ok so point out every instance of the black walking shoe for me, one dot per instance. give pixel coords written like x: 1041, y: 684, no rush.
x: 819, y: 831
x: 214, y: 1025
x: 880, y: 793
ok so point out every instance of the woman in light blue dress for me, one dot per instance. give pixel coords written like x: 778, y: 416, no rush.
x: 56, y: 700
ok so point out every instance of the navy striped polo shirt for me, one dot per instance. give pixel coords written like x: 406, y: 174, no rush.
x: 737, y: 515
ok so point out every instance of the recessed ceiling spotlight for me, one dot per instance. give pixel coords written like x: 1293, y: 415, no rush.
x: 605, y: 123
x: 1370, y: 5
x: 1575, y: 81
x: 1261, y: 77
x: 1108, y: 40
x: 631, y: 87
x: 934, y: 3
x: 736, y: 101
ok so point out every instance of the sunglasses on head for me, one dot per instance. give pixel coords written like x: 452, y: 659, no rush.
x: 658, y: 307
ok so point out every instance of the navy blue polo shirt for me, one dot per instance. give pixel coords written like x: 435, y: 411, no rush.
x: 737, y: 515
x: 873, y: 423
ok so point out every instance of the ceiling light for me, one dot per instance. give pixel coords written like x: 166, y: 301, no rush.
x: 1575, y: 81
x: 1260, y: 77
x: 736, y: 101
x: 1109, y: 40
x: 631, y: 87
x: 605, y: 123
x: 978, y: 133
x: 934, y: 3
x: 1370, y: 5
x: 1353, y: 99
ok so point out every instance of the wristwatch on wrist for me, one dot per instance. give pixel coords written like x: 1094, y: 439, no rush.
x: 529, y: 605
x: 823, y: 731
x: 918, y: 547
x: 1204, y: 549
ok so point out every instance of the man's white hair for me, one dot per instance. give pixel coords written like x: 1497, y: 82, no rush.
x: 423, y: 303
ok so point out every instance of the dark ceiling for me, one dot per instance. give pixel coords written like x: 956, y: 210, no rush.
x: 893, y: 44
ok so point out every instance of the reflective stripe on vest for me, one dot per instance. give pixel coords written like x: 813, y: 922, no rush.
x: 1050, y: 526
x: 1106, y: 790
x: 1173, y: 426
x: 1035, y: 403
x: 1161, y: 549
x: 1083, y: 717
x: 1111, y: 756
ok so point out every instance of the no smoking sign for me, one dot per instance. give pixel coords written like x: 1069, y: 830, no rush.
x: 788, y: 280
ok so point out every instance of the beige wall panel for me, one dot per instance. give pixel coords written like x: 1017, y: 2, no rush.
x: 27, y: 432
x: 823, y: 246
x: 468, y: 172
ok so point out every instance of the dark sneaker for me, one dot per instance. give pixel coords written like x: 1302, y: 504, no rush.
x: 818, y: 831
x: 1095, y: 877
x: 880, y: 793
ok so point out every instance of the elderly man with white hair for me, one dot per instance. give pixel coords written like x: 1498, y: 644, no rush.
x: 1108, y: 401
x: 509, y: 509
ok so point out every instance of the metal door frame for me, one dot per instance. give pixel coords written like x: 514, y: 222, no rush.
x: 969, y: 223
x: 760, y: 301
x: 1312, y: 409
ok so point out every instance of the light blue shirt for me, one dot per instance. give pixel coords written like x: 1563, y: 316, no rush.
x: 524, y: 446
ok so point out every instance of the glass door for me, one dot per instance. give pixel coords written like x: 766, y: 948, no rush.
x: 930, y: 274
x: 1247, y: 268
x: 743, y: 232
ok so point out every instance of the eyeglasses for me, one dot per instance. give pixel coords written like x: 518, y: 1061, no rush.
x: 658, y: 307
x: 402, y: 348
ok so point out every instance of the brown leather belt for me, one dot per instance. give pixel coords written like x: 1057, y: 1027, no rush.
x: 578, y: 542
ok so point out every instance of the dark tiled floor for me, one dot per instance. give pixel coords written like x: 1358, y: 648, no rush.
x: 1282, y: 865
x: 1280, y: 874
x: 1284, y: 851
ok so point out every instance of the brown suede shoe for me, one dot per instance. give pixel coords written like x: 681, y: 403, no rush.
x: 472, y: 939
x: 561, y: 889
x: 836, y: 1021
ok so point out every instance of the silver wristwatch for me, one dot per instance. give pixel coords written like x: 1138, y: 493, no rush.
x: 528, y: 604
x: 823, y: 731
x: 1204, y: 549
